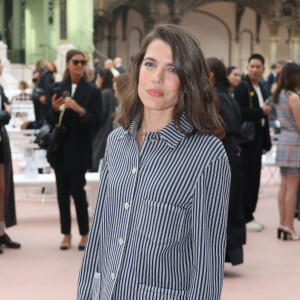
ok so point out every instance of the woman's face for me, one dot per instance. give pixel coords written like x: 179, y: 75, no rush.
x: 234, y: 77
x: 50, y: 67
x: 76, y: 65
x: 159, y: 84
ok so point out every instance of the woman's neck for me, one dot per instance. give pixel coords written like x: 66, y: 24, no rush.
x: 155, y: 120
x: 75, y: 79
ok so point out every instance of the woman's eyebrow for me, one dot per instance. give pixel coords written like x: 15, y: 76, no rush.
x: 154, y: 60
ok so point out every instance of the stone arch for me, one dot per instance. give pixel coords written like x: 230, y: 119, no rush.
x: 221, y: 34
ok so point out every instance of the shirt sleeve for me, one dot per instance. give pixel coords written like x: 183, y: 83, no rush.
x: 209, y: 225
x: 90, y: 258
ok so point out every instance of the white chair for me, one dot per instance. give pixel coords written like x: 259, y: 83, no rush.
x: 22, y: 111
x: 269, y: 163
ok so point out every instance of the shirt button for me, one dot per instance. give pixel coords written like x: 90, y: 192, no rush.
x: 133, y: 170
x: 112, y: 276
x: 126, y: 205
x: 120, y: 241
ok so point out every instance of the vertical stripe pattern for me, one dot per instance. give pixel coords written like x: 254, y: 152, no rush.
x: 159, y: 227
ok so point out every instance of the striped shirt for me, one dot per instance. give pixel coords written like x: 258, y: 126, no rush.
x: 159, y: 226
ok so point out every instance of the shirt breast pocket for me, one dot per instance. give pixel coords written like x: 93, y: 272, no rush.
x: 161, y: 223
x: 155, y: 293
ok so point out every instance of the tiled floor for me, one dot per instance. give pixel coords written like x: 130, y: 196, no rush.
x: 40, y: 271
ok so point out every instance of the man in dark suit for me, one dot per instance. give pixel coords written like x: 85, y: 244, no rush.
x: 254, y: 107
x: 118, y: 65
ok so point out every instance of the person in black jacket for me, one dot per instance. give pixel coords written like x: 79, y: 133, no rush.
x: 43, y: 79
x: 110, y: 103
x: 7, y: 196
x: 254, y: 107
x: 81, y: 103
x: 231, y: 114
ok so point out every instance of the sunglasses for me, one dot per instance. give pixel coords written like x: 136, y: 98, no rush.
x: 75, y: 62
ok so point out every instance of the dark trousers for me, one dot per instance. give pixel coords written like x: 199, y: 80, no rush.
x: 251, y: 167
x: 67, y: 184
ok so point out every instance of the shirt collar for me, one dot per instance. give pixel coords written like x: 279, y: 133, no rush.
x: 170, y: 134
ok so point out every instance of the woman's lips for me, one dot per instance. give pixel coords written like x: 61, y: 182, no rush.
x: 155, y: 93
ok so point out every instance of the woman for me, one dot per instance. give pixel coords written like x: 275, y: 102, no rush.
x: 7, y: 196
x: 234, y: 77
x: 81, y: 104
x: 230, y: 112
x: 22, y: 96
x: 109, y: 103
x: 288, y: 147
x: 41, y: 94
x: 52, y: 68
x: 159, y: 227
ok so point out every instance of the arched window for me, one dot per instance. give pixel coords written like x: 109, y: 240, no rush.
x: 213, y: 34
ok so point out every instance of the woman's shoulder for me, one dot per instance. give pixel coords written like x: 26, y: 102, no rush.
x: 293, y: 98
x: 116, y: 134
x: 107, y: 93
x: 290, y: 94
x: 208, y: 146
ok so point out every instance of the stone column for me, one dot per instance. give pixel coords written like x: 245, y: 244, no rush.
x: 3, y: 55
x: 6, y: 80
x: 295, y: 41
x: 112, y: 38
x: 80, y: 24
x: 16, y: 38
x: 295, y: 45
x: 273, y: 49
x: 273, y: 26
x: 41, y: 30
x: 2, y: 19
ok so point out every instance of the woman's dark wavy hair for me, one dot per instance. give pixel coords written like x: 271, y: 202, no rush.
x: 107, y: 77
x: 216, y: 66
x: 289, y: 79
x: 69, y: 56
x: 229, y: 69
x: 197, y: 97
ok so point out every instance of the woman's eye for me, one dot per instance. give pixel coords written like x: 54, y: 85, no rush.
x: 172, y: 70
x: 149, y: 64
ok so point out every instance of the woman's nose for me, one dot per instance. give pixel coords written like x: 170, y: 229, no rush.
x: 158, y: 76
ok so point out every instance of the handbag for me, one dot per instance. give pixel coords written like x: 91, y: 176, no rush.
x: 247, y: 132
x: 50, y: 136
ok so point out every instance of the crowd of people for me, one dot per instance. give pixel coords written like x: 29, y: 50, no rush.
x: 86, y: 105
x: 178, y: 142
